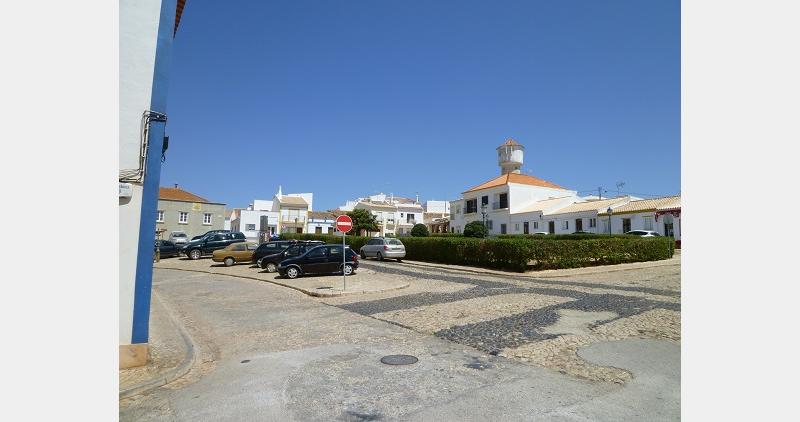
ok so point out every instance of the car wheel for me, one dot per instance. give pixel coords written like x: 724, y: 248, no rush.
x: 363, y: 255
x: 399, y: 259
x: 379, y: 256
x: 348, y: 269
x: 292, y: 272
x: 229, y: 261
x: 271, y: 267
x: 194, y: 254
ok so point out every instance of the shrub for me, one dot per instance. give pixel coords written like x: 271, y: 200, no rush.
x: 519, y: 253
x: 475, y: 229
x: 419, y: 230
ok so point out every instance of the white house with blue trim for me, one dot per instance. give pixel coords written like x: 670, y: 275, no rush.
x: 146, y: 30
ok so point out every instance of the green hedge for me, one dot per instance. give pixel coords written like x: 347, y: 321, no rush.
x: 522, y: 252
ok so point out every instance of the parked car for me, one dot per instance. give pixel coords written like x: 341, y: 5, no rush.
x: 235, y: 252
x: 209, y: 233
x: 271, y: 262
x: 271, y: 248
x: 166, y: 249
x: 208, y: 244
x: 582, y: 232
x: 384, y: 247
x: 541, y: 233
x: 644, y: 233
x: 178, y: 238
x: 323, y: 259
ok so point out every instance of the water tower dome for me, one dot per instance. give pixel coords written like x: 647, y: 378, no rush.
x: 509, y: 156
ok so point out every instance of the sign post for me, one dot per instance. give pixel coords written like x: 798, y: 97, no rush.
x: 344, y: 224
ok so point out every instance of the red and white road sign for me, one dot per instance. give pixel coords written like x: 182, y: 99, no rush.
x: 344, y: 223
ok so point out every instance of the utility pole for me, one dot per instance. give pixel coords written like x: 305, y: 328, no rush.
x: 599, y: 193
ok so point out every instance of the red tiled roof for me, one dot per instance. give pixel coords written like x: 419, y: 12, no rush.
x: 178, y: 13
x: 510, y: 142
x: 522, y: 179
x: 177, y: 194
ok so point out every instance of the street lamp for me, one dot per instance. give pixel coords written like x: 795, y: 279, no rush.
x: 483, y: 213
x: 609, y: 211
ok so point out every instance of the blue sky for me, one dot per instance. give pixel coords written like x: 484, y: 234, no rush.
x: 350, y: 98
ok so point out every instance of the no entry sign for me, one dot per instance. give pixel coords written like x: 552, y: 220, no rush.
x: 344, y: 223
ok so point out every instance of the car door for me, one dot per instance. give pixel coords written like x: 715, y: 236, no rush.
x: 168, y: 248
x: 315, y: 261
x: 214, y: 242
x: 334, y: 259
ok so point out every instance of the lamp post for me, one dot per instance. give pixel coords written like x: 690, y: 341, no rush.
x: 609, y: 211
x: 483, y: 213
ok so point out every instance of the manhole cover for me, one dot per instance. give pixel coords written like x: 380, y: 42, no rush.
x: 399, y: 359
x: 478, y: 365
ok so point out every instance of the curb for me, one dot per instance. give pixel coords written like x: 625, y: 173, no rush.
x: 172, y: 374
x: 301, y: 290
x: 589, y: 270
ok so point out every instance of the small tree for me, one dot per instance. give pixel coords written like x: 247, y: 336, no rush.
x: 363, y: 220
x: 475, y: 229
x: 419, y: 230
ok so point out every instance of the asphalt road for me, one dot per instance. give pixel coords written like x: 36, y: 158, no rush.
x: 270, y: 353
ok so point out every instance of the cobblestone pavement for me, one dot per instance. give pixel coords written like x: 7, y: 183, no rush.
x: 541, y: 321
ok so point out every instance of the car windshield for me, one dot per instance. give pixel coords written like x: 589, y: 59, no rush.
x: 178, y: 234
x: 393, y: 242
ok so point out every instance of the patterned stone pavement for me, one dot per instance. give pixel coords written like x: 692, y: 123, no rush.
x: 541, y: 321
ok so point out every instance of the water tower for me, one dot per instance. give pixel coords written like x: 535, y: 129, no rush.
x: 509, y: 156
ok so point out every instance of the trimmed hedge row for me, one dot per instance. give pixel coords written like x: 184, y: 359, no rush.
x: 522, y: 253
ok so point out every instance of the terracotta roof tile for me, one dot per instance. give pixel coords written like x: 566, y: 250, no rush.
x: 522, y: 179
x: 599, y: 206
x: 654, y: 204
x: 510, y: 142
x: 321, y: 215
x: 177, y: 194
x: 292, y: 200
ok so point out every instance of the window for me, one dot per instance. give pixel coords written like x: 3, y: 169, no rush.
x: 525, y: 229
x: 485, y: 200
x: 251, y: 246
x: 401, y: 215
x: 516, y: 227
x: 592, y: 222
x: 318, y: 230
x: 317, y: 253
x: 330, y: 230
x: 472, y: 206
x: 536, y: 225
x: 250, y: 227
x: 648, y: 222
x: 239, y: 247
x: 489, y: 224
x: 183, y: 217
x: 502, y: 229
x: 335, y: 251
x: 503, y: 200
x: 207, y: 219
x: 565, y: 225
x: 626, y: 225
x: 160, y: 216
x: 410, y: 218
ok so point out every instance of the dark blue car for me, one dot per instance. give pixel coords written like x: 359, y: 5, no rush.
x: 323, y: 259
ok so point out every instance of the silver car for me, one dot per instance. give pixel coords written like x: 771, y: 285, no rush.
x: 644, y: 233
x: 383, y: 248
x: 178, y: 238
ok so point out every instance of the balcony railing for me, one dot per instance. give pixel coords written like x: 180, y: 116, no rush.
x: 292, y: 220
x: 499, y: 205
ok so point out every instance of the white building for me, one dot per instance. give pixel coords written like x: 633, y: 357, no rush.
x: 496, y: 200
x: 321, y: 222
x: 515, y: 203
x: 659, y: 214
x: 395, y: 215
x: 292, y: 211
x: 248, y: 221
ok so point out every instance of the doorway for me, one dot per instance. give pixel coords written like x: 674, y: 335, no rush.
x: 626, y: 225
x: 578, y: 224
x: 551, y: 227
